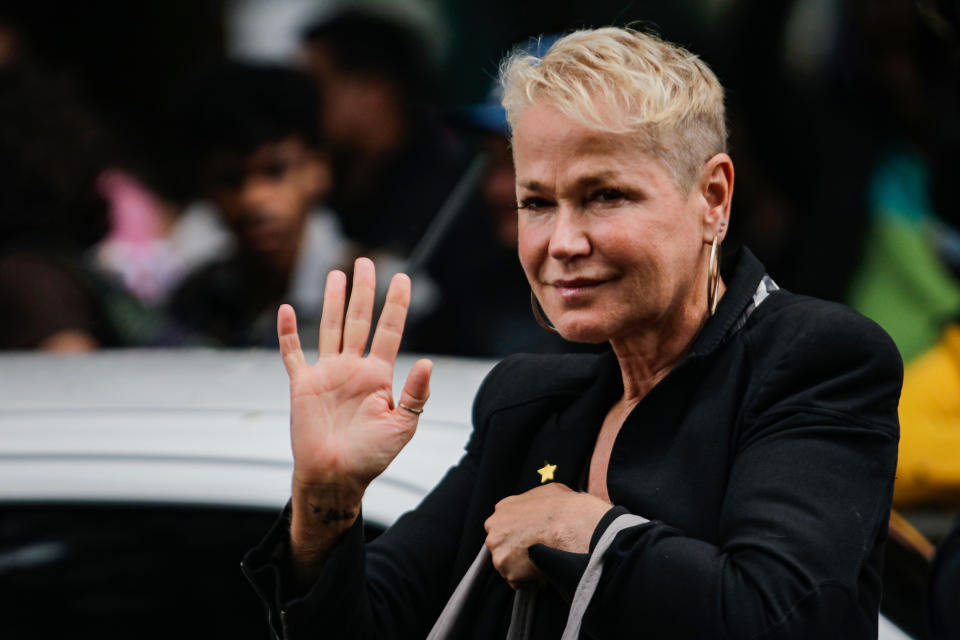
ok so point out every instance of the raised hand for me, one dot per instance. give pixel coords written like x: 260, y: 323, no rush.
x: 344, y: 425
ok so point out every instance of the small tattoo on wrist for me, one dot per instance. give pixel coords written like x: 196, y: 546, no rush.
x: 332, y: 515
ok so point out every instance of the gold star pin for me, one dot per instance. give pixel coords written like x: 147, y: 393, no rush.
x: 546, y: 473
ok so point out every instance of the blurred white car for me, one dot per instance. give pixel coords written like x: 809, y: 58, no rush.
x: 132, y: 482
x: 193, y: 427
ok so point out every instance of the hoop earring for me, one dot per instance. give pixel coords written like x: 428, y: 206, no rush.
x: 538, y: 314
x: 713, y: 278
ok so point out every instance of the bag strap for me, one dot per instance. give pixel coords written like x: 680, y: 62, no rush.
x: 524, y: 600
x: 591, y: 575
x: 521, y: 619
x: 443, y: 627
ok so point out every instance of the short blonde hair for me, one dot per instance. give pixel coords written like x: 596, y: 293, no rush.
x: 631, y: 83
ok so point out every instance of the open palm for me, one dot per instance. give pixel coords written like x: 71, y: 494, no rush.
x: 345, y: 426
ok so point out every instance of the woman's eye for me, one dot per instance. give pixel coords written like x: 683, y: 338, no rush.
x: 533, y: 204
x: 608, y: 195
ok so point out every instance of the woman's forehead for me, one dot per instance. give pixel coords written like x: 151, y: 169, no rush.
x: 585, y: 157
x: 545, y: 130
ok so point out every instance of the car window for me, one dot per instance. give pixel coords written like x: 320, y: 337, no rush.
x: 129, y: 571
x: 160, y: 571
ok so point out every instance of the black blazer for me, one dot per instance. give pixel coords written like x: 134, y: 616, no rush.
x: 764, y: 460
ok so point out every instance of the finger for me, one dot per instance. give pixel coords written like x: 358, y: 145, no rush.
x: 386, y: 339
x: 331, y: 319
x: 356, y: 328
x: 289, y: 340
x: 416, y: 389
x: 513, y: 564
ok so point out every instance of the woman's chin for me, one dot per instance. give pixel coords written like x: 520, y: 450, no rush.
x: 579, y: 332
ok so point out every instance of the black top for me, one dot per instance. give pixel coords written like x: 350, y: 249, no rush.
x: 764, y: 460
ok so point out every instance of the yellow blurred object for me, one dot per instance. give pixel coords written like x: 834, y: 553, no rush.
x: 906, y: 535
x: 928, y: 469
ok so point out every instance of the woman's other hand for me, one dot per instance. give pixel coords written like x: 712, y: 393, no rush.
x: 552, y: 514
x: 344, y: 425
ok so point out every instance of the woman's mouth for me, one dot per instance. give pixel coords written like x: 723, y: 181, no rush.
x: 573, y: 289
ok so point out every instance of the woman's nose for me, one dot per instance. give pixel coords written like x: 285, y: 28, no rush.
x: 569, y: 238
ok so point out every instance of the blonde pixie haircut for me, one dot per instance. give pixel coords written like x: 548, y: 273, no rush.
x: 625, y: 82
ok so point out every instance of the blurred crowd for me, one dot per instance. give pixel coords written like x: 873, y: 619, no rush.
x: 159, y: 187
x: 241, y: 185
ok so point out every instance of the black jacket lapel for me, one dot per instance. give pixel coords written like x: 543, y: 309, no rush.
x: 567, y: 438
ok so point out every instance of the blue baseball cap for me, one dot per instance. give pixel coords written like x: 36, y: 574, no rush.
x: 490, y: 114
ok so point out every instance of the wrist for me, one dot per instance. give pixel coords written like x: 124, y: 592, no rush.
x: 324, y: 506
x: 314, y: 532
x: 336, y: 490
x: 320, y: 514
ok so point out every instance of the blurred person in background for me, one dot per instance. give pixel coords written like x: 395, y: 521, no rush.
x: 394, y: 161
x: 153, y: 245
x: 162, y: 231
x: 123, y: 63
x: 249, y: 133
x: 929, y: 467
x: 52, y: 148
x: 907, y: 277
x: 872, y: 90
x: 869, y: 87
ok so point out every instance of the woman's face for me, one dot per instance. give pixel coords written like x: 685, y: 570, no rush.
x: 609, y: 243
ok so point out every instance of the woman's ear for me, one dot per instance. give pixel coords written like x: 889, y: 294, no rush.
x: 716, y: 188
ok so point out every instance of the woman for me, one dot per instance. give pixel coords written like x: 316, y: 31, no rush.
x: 755, y: 429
